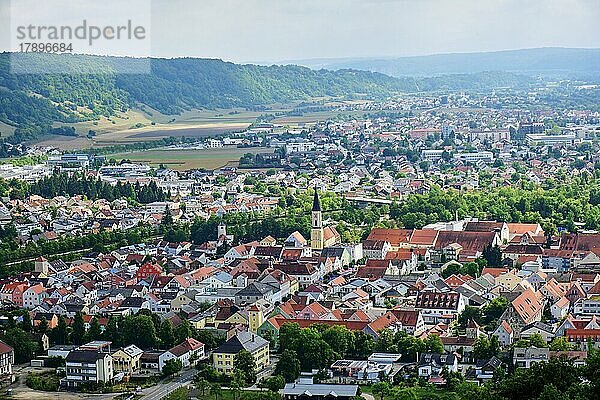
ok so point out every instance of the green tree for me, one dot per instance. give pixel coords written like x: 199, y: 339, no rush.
x: 288, y: 366
x: 485, y: 348
x: 172, y: 367
x: 167, y: 219
x: 166, y: 334
x: 245, y: 365
x: 60, y: 334
x: 469, y: 313
x: 537, y: 340
x: 289, y: 336
x: 216, y: 390
x: 339, y: 338
x: 591, y: 371
x: 95, y: 331
x: 560, y: 344
x: 408, y: 345
x: 550, y: 392
x: 114, y: 331
x: 493, y: 256
x: 364, y: 345
x: 25, y: 349
x: 236, y: 386
x: 183, y: 331
x: 382, y: 389
x: 492, y: 311
x: 201, y: 384
x: 26, y: 323
x: 139, y: 330
x: 530, y: 383
x: 385, y: 342
x: 78, y: 329
x: 433, y: 344
x: 273, y: 383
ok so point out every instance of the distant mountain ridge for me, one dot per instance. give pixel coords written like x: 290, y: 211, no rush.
x: 34, y: 103
x: 549, y: 61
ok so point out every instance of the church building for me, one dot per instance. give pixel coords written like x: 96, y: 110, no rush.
x: 321, y: 237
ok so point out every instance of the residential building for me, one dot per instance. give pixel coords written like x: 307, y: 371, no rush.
x: 223, y: 356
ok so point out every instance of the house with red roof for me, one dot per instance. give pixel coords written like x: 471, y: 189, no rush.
x: 188, y: 352
x: 7, y: 359
x: 241, y: 251
x: 148, y: 270
x: 409, y: 320
x: 524, y: 309
x: 439, y: 307
x: 395, y: 237
x: 13, y: 293
x: 34, y: 295
x: 582, y: 338
x: 504, y: 333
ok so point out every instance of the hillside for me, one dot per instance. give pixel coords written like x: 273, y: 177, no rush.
x: 550, y: 62
x: 34, y: 103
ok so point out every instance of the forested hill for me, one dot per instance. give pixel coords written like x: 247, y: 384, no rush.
x: 556, y: 63
x: 32, y: 103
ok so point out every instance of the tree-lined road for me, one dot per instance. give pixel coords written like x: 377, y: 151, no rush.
x: 164, y: 389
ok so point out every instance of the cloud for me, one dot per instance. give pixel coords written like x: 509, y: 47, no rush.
x: 274, y: 30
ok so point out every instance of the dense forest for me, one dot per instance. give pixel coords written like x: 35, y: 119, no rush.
x: 554, y: 205
x: 78, y: 184
x: 34, y: 102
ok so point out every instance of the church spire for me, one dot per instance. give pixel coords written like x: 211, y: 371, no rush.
x: 316, y: 203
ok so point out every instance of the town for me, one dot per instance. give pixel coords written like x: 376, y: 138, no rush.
x: 300, y: 200
x: 441, y: 243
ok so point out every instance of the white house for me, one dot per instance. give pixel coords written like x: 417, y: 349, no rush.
x: 188, y: 352
x: 504, y: 333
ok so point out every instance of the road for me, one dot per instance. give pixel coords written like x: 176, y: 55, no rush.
x: 270, y: 368
x: 164, y: 389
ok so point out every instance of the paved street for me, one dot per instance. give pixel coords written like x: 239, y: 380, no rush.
x: 163, y: 389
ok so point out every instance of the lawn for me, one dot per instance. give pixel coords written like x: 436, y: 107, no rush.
x: 225, y: 394
x: 182, y: 160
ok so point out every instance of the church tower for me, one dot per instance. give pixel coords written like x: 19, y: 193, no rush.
x: 255, y: 318
x: 41, y: 266
x: 316, y: 232
x: 221, y: 230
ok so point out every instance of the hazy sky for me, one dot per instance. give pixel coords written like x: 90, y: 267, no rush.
x: 276, y: 30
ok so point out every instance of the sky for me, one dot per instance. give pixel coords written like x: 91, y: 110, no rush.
x: 283, y: 30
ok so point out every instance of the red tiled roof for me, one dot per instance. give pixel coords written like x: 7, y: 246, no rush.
x: 4, y: 348
x: 394, y: 236
x: 527, y: 305
x: 406, y: 317
x: 424, y: 237
x: 400, y: 254
x: 495, y: 272
x: 470, y: 241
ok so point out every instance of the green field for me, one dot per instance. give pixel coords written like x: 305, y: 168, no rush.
x: 6, y: 130
x: 182, y: 160
x: 141, y: 125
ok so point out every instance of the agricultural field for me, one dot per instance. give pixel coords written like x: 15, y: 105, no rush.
x: 146, y: 124
x: 184, y: 159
